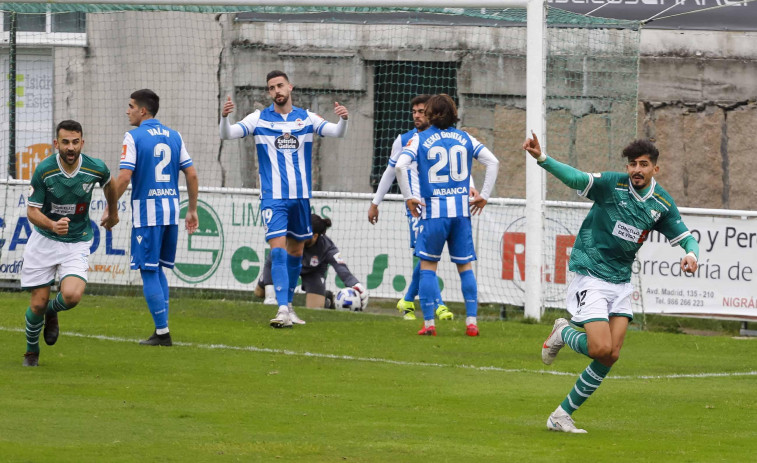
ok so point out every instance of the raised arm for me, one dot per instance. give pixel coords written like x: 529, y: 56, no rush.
x: 225, y: 129
x: 570, y: 176
x: 325, y: 128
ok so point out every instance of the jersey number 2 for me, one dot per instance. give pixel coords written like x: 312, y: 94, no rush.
x: 162, y: 151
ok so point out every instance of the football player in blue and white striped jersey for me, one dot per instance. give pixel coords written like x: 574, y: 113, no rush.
x: 406, y: 304
x: 152, y: 157
x: 444, y: 157
x: 284, y: 143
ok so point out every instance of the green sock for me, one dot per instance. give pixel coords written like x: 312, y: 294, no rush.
x: 34, y: 324
x: 576, y: 340
x: 57, y: 304
x: 587, y: 383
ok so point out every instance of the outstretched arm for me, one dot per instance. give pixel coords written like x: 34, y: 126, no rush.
x: 329, y: 129
x: 689, y: 262
x: 569, y: 175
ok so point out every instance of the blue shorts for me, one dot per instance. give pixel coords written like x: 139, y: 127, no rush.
x: 153, y: 246
x: 415, y: 229
x: 456, y: 232
x: 286, y: 217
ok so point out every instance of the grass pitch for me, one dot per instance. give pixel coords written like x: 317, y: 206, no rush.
x: 356, y: 387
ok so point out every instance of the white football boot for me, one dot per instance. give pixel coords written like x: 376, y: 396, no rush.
x: 282, y: 319
x: 554, y: 342
x: 559, y: 420
x: 293, y: 316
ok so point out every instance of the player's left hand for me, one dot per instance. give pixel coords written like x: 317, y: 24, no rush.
x: 341, y: 111
x: 414, y: 206
x: 476, y: 203
x: 191, y: 222
x: 689, y: 264
x: 363, y: 295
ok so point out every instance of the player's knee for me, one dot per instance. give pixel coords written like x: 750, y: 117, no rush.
x: 71, y: 298
x: 38, y: 306
x: 601, y: 352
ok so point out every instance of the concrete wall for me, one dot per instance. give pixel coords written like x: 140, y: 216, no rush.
x: 696, y: 97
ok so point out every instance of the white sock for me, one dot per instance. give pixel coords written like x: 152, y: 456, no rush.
x: 428, y: 323
x: 162, y: 331
x: 470, y: 321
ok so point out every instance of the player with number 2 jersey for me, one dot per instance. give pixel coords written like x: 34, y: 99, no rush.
x: 152, y: 157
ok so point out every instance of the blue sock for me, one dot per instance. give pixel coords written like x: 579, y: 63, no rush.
x: 470, y: 292
x: 294, y: 265
x: 412, y: 290
x: 438, y: 297
x: 154, y: 297
x: 280, y: 275
x: 428, y: 287
x: 164, y: 287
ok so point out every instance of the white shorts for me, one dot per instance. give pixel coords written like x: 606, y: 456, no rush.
x: 43, y: 258
x: 590, y: 299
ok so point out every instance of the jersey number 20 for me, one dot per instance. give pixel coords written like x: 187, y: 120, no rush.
x: 456, y: 158
x: 162, y: 151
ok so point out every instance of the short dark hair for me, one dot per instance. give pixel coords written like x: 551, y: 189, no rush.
x: 320, y: 224
x: 71, y: 126
x: 274, y: 74
x: 441, y: 111
x: 147, y: 99
x: 420, y: 99
x: 641, y: 147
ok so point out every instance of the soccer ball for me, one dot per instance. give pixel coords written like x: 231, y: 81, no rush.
x: 347, y: 299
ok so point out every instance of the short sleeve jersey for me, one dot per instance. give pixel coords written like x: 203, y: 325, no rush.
x: 60, y: 194
x: 156, y: 154
x: 618, y: 223
x: 444, y: 160
x: 412, y: 178
x: 284, y: 148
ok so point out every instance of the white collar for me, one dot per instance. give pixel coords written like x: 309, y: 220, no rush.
x: 76, y: 171
x: 635, y: 193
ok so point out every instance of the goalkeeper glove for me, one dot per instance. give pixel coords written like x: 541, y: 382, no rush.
x: 363, y: 295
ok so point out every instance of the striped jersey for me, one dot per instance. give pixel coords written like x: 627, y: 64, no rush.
x: 618, y: 223
x: 155, y: 154
x: 444, y: 160
x: 60, y: 194
x: 284, y: 145
x: 412, y: 174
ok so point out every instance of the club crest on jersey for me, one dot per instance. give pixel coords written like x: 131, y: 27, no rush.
x: 87, y: 187
x: 287, y: 142
x: 300, y: 123
x: 655, y: 215
x: 314, y: 261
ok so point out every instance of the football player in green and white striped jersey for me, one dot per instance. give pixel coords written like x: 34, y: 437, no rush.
x: 58, y: 206
x: 627, y: 206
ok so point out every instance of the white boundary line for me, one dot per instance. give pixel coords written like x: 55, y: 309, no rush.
x: 392, y: 362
